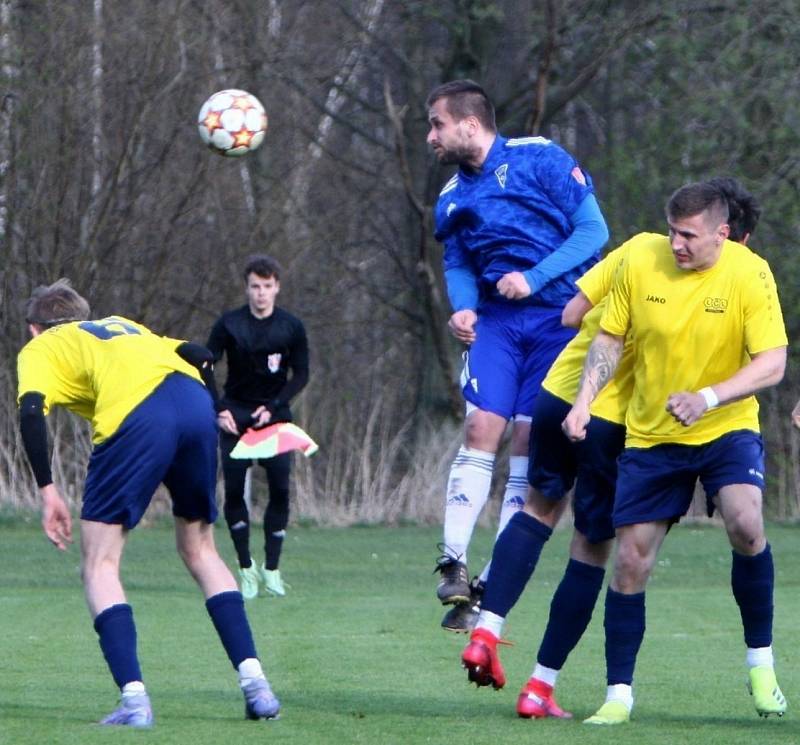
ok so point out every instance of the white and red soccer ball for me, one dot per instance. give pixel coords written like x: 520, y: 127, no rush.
x: 232, y: 122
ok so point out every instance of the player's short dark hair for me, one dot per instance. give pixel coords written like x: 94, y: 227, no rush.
x: 694, y: 199
x: 262, y: 265
x: 57, y: 303
x: 744, y: 209
x: 465, y: 98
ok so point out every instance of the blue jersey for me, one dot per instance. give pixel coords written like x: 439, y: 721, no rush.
x: 512, y: 214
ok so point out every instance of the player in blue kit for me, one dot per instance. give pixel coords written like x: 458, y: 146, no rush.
x: 520, y: 223
x: 153, y: 421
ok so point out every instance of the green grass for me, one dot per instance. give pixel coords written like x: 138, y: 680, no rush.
x: 356, y: 654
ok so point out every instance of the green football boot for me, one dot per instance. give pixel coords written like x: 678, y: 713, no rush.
x: 611, y: 712
x: 273, y: 584
x: 766, y: 694
x: 248, y: 581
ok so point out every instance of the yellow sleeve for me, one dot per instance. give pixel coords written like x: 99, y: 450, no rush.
x: 597, y: 282
x: 34, y: 375
x: 763, y: 319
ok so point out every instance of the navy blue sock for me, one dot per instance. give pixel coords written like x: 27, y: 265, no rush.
x: 117, y: 633
x: 516, y: 553
x: 625, y: 624
x: 752, y: 581
x: 227, y: 612
x: 570, y: 612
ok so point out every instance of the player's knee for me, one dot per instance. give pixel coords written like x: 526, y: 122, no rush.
x: 632, y: 567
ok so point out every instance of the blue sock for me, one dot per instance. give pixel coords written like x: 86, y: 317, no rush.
x: 752, y: 581
x: 227, y: 612
x: 516, y: 553
x: 625, y: 624
x: 117, y: 633
x: 570, y: 612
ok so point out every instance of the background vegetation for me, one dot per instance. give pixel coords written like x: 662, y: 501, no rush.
x: 103, y: 179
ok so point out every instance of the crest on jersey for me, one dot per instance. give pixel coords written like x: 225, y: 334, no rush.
x: 577, y: 174
x: 501, y: 172
x: 274, y: 362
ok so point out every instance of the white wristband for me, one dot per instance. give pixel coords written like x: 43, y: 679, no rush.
x: 711, y: 398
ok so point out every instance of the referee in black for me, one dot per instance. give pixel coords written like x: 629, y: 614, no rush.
x: 267, y: 355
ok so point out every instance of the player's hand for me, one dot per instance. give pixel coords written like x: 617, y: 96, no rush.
x: 56, y: 520
x: 686, y: 407
x: 514, y: 286
x: 261, y: 417
x: 796, y: 415
x: 575, y: 424
x: 462, y: 325
x: 227, y: 423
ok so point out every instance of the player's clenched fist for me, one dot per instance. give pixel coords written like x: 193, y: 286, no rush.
x: 462, y: 325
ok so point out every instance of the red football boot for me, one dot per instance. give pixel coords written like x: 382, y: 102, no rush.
x: 536, y: 701
x: 481, y: 660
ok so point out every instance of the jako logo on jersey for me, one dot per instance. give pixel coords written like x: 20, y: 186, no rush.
x: 501, y: 172
x: 715, y: 304
x: 274, y: 362
x: 577, y: 174
x: 458, y: 499
x: 450, y: 208
x: 656, y: 299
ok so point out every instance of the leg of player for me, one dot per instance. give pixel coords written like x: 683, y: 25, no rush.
x: 637, y: 548
x: 570, y: 612
x: 516, y: 553
x: 195, y: 542
x: 101, y: 552
x: 463, y: 616
x: 237, y: 516
x: 467, y: 491
x: 752, y: 582
x: 276, y: 518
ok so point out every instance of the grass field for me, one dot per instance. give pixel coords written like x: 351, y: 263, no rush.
x: 356, y: 655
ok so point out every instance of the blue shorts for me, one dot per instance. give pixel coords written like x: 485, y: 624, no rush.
x: 556, y: 464
x: 170, y: 437
x: 515, y: 346
x: 658, y: 483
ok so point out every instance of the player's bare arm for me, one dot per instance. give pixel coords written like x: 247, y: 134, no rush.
x: 462, y: 325
x: 56, y: 520
x: 575, y: 310
x: 601, y: 363
x: 513, y: 286
x: 765, y: 369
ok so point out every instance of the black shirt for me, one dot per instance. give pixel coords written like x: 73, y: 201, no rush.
x: 260, y: 354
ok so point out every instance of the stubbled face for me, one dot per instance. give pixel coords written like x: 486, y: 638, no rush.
x: 696, y: 241
x: 261, y: 294
x: 451, y: 140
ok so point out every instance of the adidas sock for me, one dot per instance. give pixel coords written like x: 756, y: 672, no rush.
x: 570, y: 612
x: 625, y: 626
x: 227, y: 614
x: 752, y: 582
x: 117, y: 635
x: 513, y: 498
x: 516, y: 553
x: 467, y: 491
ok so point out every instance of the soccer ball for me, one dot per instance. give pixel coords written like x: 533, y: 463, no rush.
x: 232, y: 122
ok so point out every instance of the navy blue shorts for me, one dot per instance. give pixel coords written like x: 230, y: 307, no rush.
x: 658, y: 483
x: 170, y: 437
x: 512, y: 352
x: 556, y: 464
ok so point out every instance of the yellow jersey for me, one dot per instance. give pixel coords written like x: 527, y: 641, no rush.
x: 564, y: 376
x: 691, y: 329
x: 100, y: 370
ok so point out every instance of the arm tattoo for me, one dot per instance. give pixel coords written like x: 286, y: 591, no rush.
x: 601, y: 362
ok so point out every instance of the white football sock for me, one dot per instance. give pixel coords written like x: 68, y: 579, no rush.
x: 491, y: 622
x: 620, y: 692
x: 545, y: 674
x: 467, y: 492
x: 513, y: 498
x: 249, y: 670
x: 760, y: 656
x: 134, y: 688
